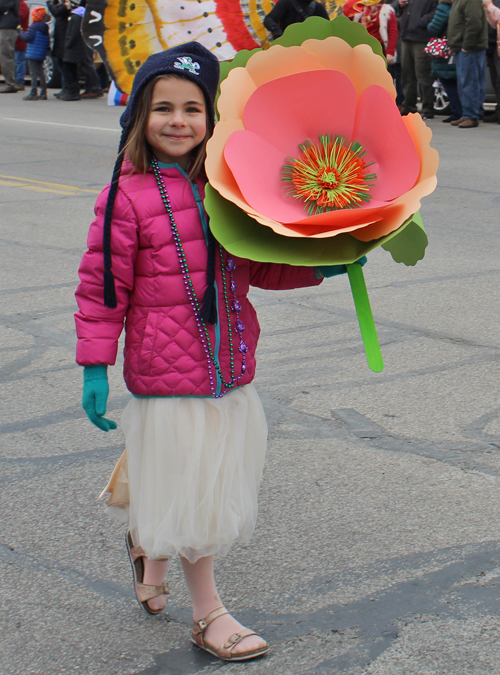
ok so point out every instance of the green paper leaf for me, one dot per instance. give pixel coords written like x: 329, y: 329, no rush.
x: 244, y: 237
x: 408, y: 244
x: 316, y: 28
x: 365, y: 317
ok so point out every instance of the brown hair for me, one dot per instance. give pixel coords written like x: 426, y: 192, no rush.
x: 139, y: 151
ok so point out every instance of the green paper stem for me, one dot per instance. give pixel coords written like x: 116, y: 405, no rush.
x: 365, y: 317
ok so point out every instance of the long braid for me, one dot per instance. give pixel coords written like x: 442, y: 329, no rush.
x: 109, y: 280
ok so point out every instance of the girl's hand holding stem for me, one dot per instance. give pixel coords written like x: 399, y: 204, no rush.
x: 95, y: 396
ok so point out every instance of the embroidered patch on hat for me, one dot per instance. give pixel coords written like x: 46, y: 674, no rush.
x: 186, y: 63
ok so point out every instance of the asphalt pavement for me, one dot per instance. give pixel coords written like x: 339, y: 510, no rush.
x: 377, y: 550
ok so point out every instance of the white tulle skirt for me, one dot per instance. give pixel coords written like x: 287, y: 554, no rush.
x: 191, y: 473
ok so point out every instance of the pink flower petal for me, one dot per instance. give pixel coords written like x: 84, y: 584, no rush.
x: 380, y: 129
x: 326, y: 105
x: 256, y: 166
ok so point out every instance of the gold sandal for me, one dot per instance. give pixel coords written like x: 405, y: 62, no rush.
x: 224, y: 651
x: 143, y: 592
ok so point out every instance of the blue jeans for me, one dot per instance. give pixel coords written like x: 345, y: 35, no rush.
x: 471, y: 78
x: 20, y: 57
x: 451, y: 89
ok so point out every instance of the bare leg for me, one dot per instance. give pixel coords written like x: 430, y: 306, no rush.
x: 205, y: 598
x: 154, y: 575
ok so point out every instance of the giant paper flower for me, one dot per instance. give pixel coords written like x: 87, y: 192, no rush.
x: 311, y: 145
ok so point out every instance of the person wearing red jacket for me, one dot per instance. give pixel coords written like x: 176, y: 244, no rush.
x: 380, y: 21
x: 20, y: 46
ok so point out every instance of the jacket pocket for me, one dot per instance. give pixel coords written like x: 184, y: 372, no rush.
x: 148, y: 343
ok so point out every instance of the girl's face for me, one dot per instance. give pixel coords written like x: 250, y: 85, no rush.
x: 177, y: 122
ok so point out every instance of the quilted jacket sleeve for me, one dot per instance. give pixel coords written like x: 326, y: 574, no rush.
x: 276, y: 277
x: 30, y: 34
x: 98, y: 327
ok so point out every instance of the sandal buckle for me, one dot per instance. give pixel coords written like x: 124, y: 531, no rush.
x: 201, y: 624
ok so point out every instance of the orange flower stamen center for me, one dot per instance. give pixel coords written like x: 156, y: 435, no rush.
x: 330, y: 175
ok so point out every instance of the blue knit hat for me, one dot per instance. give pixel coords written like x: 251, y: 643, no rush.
x: 196, y: 63
x: 191, y: 60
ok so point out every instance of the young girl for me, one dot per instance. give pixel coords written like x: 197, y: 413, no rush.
x: 195, y: 429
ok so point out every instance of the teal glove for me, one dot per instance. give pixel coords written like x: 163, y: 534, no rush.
x: 95, y: 396
x: 332, y: 270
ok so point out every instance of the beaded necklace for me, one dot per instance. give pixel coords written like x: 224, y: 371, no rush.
x: 234, y: 306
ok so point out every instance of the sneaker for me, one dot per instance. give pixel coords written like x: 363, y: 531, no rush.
x: 468, y: 124
x: 455, y: 123
x: 30, y: 97
x: 42, y: 96
x: 20, y: 86
x: 8, y: 90
x: 427, y: 115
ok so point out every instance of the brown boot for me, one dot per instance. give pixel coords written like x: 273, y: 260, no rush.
x: 455, y: 123
x: 468, y: 123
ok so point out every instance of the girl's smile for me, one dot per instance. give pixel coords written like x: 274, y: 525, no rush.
x: 178, y: 120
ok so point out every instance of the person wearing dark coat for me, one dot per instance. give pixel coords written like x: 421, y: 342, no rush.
x: 38, y: 41
x: 77, y: 53
x: 416, y: 65
x: 286, y: 12
x: 61, y: 14
x: 442, y: 68
x: 9, y: 21
x: 468, y: 40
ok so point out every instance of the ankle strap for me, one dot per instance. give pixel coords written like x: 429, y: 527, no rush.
x: 202, y: 624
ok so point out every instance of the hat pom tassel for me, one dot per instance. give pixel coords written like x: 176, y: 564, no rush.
x: 208, y: 310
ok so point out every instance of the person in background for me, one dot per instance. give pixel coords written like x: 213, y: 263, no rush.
x: 9, y: 21
x: 468, y: 39
x: 74, y: 53
x: 20, y: 46
x: 492, y: 56
x: 61, y: 13
x: 442, y: 68
x: 92, y: 82
x: 416, y: 65
x: 380, y: 21
x: 395, y: 68
x: 286, y: 12
x: 38, y: 40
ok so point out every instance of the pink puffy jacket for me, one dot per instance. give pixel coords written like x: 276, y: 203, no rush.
x: 164, y: 355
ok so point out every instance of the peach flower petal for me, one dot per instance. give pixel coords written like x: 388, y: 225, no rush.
x: 326, y: 105
x: 421, y: 134
x: 367, y: 67
x: 279, y: 61
x: 239, y: 87
x: 219, y: 174
x: 380, y: 129
x: 335, y: 54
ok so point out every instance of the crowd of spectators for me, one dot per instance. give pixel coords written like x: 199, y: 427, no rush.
x: 20, y: 42
x: 467, y: 33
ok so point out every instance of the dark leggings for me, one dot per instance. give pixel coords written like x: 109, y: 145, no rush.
x: 37, y: 74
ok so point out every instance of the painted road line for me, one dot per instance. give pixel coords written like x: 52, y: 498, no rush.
x: 59, y: 124
x: 37, y: 188
x: 44, y: 185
